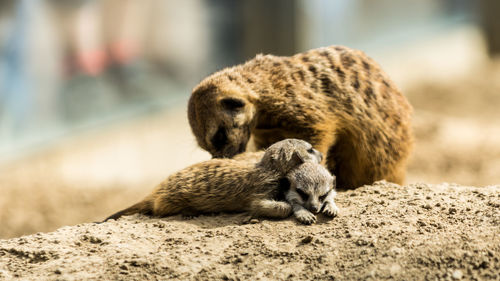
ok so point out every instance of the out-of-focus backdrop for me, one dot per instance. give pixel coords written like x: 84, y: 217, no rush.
x: 93, y: 93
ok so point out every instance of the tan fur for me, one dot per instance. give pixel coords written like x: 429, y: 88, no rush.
x: 336, y: 98
x: 249, y: 156
x: 228, y: 185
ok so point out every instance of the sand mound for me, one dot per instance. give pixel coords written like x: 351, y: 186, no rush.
x: 384, y: 231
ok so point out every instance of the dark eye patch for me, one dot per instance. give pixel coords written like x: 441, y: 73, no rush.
x: 316, y: 153
x: 323, y: 197
x: 219, y: 140
x: 284, y: 184
x: 302, y: 194
x: 232, y: 103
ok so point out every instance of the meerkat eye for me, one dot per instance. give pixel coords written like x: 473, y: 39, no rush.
x: 302, y: 194
x: 232, y: 104
x: 219, y: 140
x: 323, y: 197
x: 317, y: 154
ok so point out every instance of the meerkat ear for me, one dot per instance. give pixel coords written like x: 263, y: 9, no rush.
x: 288, y: 159
x: 232, y: 103
x: 296, y: 159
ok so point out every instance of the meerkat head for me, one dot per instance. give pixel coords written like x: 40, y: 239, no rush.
x: 221, y: 115
x: 310, y: 184
x: 285, y: 155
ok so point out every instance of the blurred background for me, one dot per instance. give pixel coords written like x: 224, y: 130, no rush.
x: 93, y: 93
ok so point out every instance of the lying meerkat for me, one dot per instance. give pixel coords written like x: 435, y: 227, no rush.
x: 335, y: 98
x: 228, y: 185
x: 312, y: 190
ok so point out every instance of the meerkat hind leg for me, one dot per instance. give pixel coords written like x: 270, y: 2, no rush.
x: 271, y: 208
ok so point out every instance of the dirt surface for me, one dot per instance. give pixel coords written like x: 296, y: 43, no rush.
x: 384, y: 231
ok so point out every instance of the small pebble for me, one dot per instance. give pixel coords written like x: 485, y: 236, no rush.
x: 254, y: 221
x: 457, y: 274
x: 306, y: 239
x: 421, y: 223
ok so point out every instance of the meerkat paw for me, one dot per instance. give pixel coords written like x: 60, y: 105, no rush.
x: 330, y: 209
x: 305, y: 217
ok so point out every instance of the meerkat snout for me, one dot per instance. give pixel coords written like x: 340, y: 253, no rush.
x: 314, y: 207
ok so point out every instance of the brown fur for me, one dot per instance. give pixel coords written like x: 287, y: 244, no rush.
x: 228, y: 185
x: 336, y: 98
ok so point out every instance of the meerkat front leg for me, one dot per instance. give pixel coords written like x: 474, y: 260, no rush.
x: 270, y: 208
x: 302, y: 214
x: 329, y: 207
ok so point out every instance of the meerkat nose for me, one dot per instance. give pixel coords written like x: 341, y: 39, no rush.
x: 314, y: 209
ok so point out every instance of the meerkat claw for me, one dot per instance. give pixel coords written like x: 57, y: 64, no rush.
x: 330, y: 209
x: 305, y: 217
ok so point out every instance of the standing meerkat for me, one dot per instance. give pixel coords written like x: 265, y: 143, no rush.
x: 228, y: 185
x: 312, y: 190
x: 336, y: 98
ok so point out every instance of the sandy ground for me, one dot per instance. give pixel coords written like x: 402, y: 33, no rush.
x: 384, y: 231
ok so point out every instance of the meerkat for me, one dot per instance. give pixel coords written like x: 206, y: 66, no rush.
x: 228, y: 185
x: 312, y: 190
x: 336, y: 98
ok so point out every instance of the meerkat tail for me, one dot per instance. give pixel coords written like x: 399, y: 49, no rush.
x: 143, y: 207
